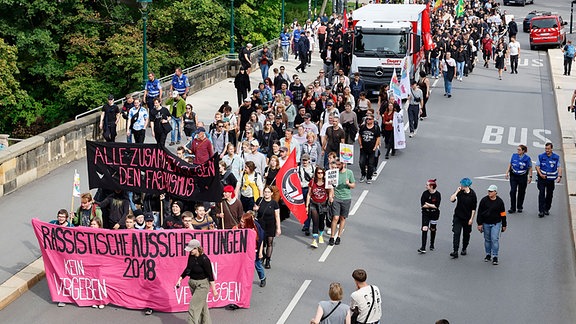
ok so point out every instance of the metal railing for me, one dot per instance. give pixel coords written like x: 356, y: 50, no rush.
x: 140, y: 94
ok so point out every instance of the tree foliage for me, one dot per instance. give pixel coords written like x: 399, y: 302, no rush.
x: 60, y: 58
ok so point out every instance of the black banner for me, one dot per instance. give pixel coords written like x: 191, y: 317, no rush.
x: 151, y: 169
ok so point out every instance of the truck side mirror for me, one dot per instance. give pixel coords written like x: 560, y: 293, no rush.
x: 418, y: 44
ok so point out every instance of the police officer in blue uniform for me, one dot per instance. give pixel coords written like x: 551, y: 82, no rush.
x: 520, y: 174
x: 549, y: 171
x: 180, y: 83
x: 152, y: 90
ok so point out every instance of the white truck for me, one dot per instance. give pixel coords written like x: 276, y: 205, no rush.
x: 383, y: 35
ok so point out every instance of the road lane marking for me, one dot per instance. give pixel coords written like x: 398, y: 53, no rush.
x: 358, y: 202
x: 380, y: 168
x: 294, y: 301
x: 329, y: 248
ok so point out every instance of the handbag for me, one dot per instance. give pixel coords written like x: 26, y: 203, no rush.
x: 166, y: 128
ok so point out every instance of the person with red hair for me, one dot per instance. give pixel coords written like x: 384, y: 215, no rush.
x: 229, y: 210
x: 247, y: 221
x: 430, y: 203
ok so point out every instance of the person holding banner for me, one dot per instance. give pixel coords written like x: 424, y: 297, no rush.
x: 268, y: 215
x: 199, y: 270
x: 229, y: 210
x: 341, y: 200
x: 87, y: 211
x: 247, y: 221
x: 388, y: 129
x: 62, y: 219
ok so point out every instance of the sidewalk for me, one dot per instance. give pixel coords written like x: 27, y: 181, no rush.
x: 564, y: 87
x: 24, y: 271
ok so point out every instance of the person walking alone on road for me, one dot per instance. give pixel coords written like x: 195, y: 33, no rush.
x: 366, y: 299
x: 333, y: 309
x: 430, y: 202
x: 199, y: 270
x: 265, y: 61
x: 520, y: 174
x: 549, y: 171
x: 514, y: 52
x: 464, y: 212
x: 448, y: 67
x: 569, y: 50
x: 369, y: 141
x: 491, y: 220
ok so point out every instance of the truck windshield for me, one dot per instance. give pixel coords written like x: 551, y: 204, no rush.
x: 544, y: 23
x: 381, y: 45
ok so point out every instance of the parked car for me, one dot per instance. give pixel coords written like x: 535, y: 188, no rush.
x: 520, y: 2
x: 530, y: 15
x: 547, y: 30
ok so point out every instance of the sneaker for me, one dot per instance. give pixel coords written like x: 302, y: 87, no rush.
x: 314, y: 244
x: 411, y: 135
x: 375, y: 173
x: 519, y: 210
x: 331, y: 241
x: 421, y: 250
x: 362, y: 178
x: 177, y: 142
x: 487, y: 258
x: 171, y: 144
x: 369, y: 181
x: 148, y: 311
x: 464, y: 252
x: 94, y: 306
x: 449, y: 96
x: 540, y: 214
x: 304, y: 229
x: 495, y: 261
x: 421, y: 118
x: 307, y: 232
x: 61, y: 304
x: 100, y: 306
x: 329, y: 231
x: 320, y: 239
x: 387, y: 157
x: 454, y: 255
x: 263, y: 282
x: 431, y: 247
x: 546, y: 212
x: 337, y: 241
x: 511, y: 211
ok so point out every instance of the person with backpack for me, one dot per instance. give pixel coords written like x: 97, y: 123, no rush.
x: 87, y: 211
x: 569, y: 50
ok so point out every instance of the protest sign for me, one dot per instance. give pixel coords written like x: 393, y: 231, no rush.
x: 331, y: 178
x: 347, y: 153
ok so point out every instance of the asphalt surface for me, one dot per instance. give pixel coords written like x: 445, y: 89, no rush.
x: 471, y: 135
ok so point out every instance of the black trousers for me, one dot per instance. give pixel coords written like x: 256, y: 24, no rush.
x: 514, y: 63
x: 303, y: 61
x: 367, y: 159
x: 567, y: 65
x: 545, y: 194
x: 139, y: 135
x: 460, y: 226
x: 518, y: 184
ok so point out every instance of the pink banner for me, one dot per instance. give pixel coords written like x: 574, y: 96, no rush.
x: 138, y: 269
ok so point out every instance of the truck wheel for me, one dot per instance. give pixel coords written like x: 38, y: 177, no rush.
x: 532, y: 47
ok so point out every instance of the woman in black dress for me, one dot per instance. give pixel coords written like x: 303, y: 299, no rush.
x: 500, y: 57
x: 268, y: 214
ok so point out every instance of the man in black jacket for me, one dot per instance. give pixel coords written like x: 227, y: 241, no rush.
x: 491, y: 221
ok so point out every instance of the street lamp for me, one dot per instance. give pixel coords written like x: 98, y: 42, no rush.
x: 144, y: 11
x: 231, y: 26
x: 571, y: 12
x: 282, y: 22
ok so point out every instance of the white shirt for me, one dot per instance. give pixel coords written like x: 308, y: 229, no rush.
x: 514, y: 48
x: 363, y: 299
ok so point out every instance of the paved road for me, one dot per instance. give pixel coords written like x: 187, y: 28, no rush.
x: 471, y: 134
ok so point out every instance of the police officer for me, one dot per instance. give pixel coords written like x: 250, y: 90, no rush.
x: 549, y: 171
x: 152, y: 90
x: 520, y: 174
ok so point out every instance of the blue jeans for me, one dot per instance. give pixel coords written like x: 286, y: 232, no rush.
x: 285, y: 52
x: 413, y: 115
x: 460, y: 69
x: 259, y: 268
x: 434, y: 70
x: 176, y: 129
x: 491, y: 237
x: 447, y: 84
x: 264, y: 69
